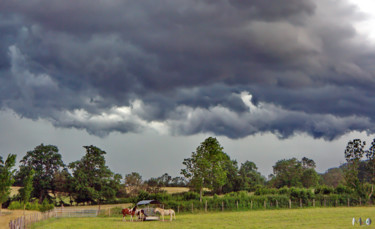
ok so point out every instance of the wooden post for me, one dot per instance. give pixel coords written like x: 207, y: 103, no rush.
x: 222, y: 206
x: 300, y: 202
x: 314, y: 203
x: 290, y: 203
x: 178, y: 208
x: 237, y: 204
x: 205, y: 206
x: 265, y: 204
x: 192, y: 208
x: 336, y: 203
x: 277, y: 204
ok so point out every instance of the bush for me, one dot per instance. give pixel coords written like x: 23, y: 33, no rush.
x: 34, y: 206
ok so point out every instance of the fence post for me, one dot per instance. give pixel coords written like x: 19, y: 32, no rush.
x: 336, y: 203
x: 192, y: 208
x: 314, y: 203
x: 300, y: 202
x: 290, y: 203
x: 237, y: 204
x: 205, y: 206
x: 222, y: 206
x: 178, y: 208
x: 277, y: 204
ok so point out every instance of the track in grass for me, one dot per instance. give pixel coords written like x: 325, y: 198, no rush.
x: 295, y: 218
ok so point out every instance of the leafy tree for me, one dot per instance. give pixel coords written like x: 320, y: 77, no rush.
x: 63, y: 185
x: 287, y: 173
x: 27, y: 188
x: 370, y: 167
x: 333, y: 177
x: 353, y: 154
x: 165, y: 179
x: 133, y: 183
x: 294, y: 173
x: 249, y: 176
x: 92, y: 180
x: 233, y: 183
x: 6, y: 177
x: 206, y: 166
x: 46, y: 162
x: 178, y: 182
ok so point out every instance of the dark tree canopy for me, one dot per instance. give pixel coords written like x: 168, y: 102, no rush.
x: 206, y: 166
x: 294, y: 173
x: 6, y: 177
x: 92, y: 180
x: 46, y: 162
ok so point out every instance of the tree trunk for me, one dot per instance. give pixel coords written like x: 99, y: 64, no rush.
x: 1, y: 206
x: 370, y: 195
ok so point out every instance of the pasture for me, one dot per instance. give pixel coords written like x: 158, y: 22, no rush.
x: 285, y: 218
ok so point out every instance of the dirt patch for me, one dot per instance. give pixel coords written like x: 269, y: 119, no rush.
x: 8, y: 215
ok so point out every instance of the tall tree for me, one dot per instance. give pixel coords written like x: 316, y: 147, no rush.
x: 370, y: 166
x: 46, y: 162
x: 293, y: 172
x: 353, y: 154
x: 206, y: 166
x: 133, y: 183
x: 6, y: 177
x: 27, y: 188
x: 249, y: 176
x: 92, y: 179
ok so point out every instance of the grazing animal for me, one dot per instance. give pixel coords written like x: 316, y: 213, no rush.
x: 166, y: 212
x: 128, y: 211
x: 141, y: 214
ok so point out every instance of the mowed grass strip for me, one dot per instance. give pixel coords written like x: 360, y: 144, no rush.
x: 295, y: 218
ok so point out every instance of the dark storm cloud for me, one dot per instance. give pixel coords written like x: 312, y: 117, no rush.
x: 188, y: 66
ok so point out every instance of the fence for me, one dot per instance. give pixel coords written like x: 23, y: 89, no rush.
x: 262, y: 203
x: 26, y: 221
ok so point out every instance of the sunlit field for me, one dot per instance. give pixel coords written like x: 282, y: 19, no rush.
x: 295, y: 218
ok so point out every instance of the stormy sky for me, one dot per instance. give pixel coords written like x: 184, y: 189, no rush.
x: 149, y: 80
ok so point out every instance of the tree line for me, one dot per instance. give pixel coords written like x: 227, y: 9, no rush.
x: 44, y: 176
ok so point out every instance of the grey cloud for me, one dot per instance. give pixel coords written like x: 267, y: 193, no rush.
x: 181, y: 56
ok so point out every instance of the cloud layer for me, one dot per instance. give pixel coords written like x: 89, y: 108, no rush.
x: 227, y: 67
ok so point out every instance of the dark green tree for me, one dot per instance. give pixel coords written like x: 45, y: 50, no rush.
x: 206, y: 166
x: 6, y: 177
x: 46, y: 162
x: 353, y: 154
x: 370, y: 167
x: 133, y: 183
x: 92, y: 180
x: 249, y: 176
x: 25, y: 192
x: 294, y: 173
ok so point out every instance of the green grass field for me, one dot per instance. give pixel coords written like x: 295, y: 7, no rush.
x: 295, y: 218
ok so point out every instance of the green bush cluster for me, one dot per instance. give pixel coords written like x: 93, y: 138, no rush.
x: 35, y: 206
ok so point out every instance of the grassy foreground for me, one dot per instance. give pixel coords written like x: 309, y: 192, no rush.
x: 295, y: 218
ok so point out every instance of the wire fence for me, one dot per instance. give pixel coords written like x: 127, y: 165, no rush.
x: 27, y: 220
x: 195, y: 207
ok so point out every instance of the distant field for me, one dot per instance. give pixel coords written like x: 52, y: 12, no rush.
x: 172, y: 190
x: 14, y: 190
x: 293, y: 219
